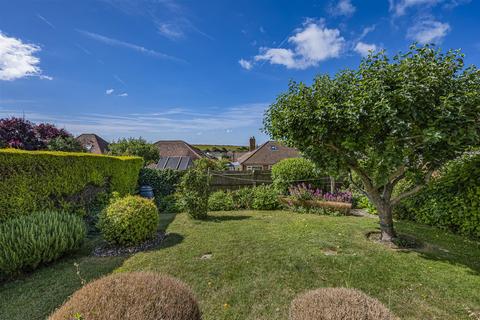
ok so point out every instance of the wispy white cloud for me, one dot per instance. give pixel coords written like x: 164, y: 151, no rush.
x: 124, y: 94
x: 400, y: 7
x: 245, y: 64
x: 342, y: 8
x: 109, y: 91
x: 170, y: 31
x: 428, y: 31
x: 166, y: 123
x: 366, y: 31
x: 46, y: 21
x: 364, y: 49
x: 18, y: 60
x: 312, y: 43
x: 119, y: 43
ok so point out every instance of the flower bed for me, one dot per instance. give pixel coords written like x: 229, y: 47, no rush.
x: 306, y: 197
x: 341, y: 207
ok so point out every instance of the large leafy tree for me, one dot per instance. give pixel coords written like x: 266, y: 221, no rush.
x: 135, y: 147
x: 388, y: 120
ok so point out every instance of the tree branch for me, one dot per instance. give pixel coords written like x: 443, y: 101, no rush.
x: 354, y: 184
x: 414, y: 190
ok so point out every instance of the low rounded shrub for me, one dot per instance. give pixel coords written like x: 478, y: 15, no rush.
x: 293, y: 169
x: 220, y: 201
x: 338, y: 304
x: 131, y: 296
x: 265, y: 198
x: 243, y: 198
x: 129, y: 220
x: 27, y: 241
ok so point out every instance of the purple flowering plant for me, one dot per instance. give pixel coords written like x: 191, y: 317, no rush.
x: 303, y: 192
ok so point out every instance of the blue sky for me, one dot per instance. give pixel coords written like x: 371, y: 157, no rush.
x: 201, y: 71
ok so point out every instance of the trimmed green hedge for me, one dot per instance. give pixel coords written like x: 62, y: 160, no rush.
x: 44, y: 180
x: 27, y: 241
x: 451, y: 201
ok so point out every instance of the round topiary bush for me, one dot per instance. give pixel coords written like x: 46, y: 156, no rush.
x: 129, y: 220
x: 338, y: 304
x: 131, y: 296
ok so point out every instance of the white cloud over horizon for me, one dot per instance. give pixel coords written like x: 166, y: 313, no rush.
x: 169, y: 123
x: 311, y: 44
x: 428, y: 31
x: 18, y: 60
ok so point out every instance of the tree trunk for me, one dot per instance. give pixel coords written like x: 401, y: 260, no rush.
x: 386, y: 222
x: 332, y: 185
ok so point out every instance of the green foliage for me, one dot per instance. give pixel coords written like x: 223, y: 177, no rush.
x: 27, y: 241
x: 193, y: 192
x: 164, y: 183
x: 66, y: 144
x: 168, y: 204
x: 361, y: 201
x: 243, y: 198
x: 135, y: 147
x: 265, y: 198
x: 293, y: 169
x: 43, y: 180
x: 129, y: 220
x: 206, y: 164
x: 221, y: 201
x: 451, y: 201
x: 390, y: 118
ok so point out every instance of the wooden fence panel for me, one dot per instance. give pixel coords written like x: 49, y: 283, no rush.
x: 233, y: 180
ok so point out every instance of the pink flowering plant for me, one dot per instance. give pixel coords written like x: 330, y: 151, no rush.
x: 304, y: 192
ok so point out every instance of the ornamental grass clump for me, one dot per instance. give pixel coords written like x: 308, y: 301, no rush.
x: 131, y: 296
x: 129, y: 221
x: 28, y: 241
x: 337, y: 304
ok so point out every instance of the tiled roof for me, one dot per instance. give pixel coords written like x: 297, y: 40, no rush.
x: 178, y: 148
x: 268, y: 153
x: 93, y: 143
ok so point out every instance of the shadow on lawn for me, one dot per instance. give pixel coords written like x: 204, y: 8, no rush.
x: 435, y: 253
x: 171, y: 239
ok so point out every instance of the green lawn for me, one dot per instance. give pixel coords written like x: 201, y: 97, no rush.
x: 261, y: 260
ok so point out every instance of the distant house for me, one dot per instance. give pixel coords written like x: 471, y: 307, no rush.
x: 176, y: 154
x: 93, y: 143
x: 265, y: 156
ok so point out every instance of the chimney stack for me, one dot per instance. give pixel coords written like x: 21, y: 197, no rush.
x: 252, y: 144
